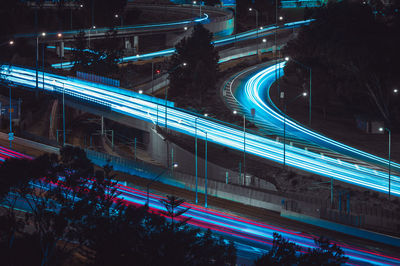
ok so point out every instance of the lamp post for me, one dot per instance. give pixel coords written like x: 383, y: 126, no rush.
x: 251, y: 9
x: 184, y: 64
x: 121, y: 19
x: 43, y: 34
x: 93, y: 27
x: 63, y: 102
x: 390, y: 147
x: 155, y: 179
x: 244, y: 145
x: 282, y: 96
x: 310, y: 91
x: 196, y: 157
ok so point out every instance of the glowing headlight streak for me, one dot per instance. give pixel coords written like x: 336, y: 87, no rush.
x: 260, y: 83
x: 238, y: 228
x: 223, y: 41
x: 122, y: 102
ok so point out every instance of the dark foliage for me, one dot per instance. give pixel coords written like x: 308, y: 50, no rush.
x: 286, y: 253
x: 352, y: 50
x: 200, y: 74
x: 72, y: 207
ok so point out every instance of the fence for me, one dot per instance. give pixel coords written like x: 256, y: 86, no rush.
x: 97, y: 79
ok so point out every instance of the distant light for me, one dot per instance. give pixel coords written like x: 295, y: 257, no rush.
x: 286, y: 58
x: 137, y: 55
x: 175, y: 165
x: 194, y: 2
x: 140, y: 91
x: 59, y: 35
x: 205, y: 114
x: 280, y: 18
x: 261, y: 27
x: 185, y: 28
x: 116, y: 15
x: 381, y: 129
x: 395, y: 90
x: 250, y: 9
x: 81, y: 6
x: 184, y: 64
x: 234, y: 112
x: 304, y: 94
x: 94, y: 27
x: 282, y: 95
x: 43, y: 34
x: 264, y: 40
x: 11, y: 42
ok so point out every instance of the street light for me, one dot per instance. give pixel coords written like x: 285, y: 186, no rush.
x: 175, y: 165
x: 184, y: 64
x: 122, y: 19
x: 282, y: 96
x: 310, y: 70
x: 43, y: 34
x: 196, y: 157
x: 63, y: 102
x: 90, y: 29
x: 251, y: 9
x: 390, y: 146
x: 244, y: 145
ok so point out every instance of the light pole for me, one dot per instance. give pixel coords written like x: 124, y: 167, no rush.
x: 43, y: 34
x: 63, y: 102
x: 244, y: 145
x: 175, y: 165
x: 390, y: 147
x: 251, y: 9
x: 184, y: 64
x: 121, y: 18
x: 310, y: 91
x: 282, y: 96
x: 196, y: 157
x: 9, y: 110
x: 93, y: 27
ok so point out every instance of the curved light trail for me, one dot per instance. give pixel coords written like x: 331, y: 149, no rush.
x: 130, y: 104
x: 248, y: 35
x: 251, y: 238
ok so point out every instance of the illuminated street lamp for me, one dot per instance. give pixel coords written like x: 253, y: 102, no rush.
x: 43, y: 34
x: 310, y: 70
x: 282, y: 96
x: 93, y: 27
x: 174, y: 165
x: 184, y: 64
x: 121, y: 18
x: 251, y: 9
x: 382, y: 129
x: 244, y: 145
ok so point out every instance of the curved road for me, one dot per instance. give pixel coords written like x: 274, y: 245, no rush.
x: 252, y: 238
x: 149, y: 109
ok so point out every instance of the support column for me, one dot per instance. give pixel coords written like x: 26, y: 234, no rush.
x: 136, y: 44
x: 60, y: 49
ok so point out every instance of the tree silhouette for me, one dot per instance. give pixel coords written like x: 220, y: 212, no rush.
x: 284, y: 252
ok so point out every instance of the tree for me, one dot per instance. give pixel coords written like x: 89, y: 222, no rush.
x: 338, y: 47
x: 200, y: 74
x: 284, y: 252
x: 172, y: 207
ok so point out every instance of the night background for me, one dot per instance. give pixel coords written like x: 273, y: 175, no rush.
x: 213, y: 132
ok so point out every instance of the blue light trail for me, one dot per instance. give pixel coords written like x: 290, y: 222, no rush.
x: 248, y: 35
x: 219, y: 133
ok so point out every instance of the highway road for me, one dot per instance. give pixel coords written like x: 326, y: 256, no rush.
x: 244, y: 36
x: 149, y: 109
x: 251, y: 238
